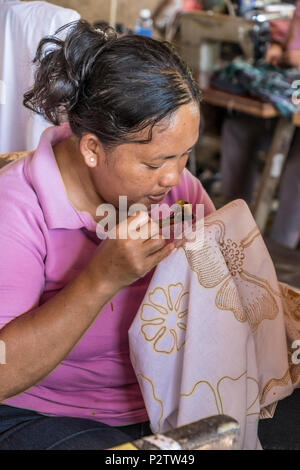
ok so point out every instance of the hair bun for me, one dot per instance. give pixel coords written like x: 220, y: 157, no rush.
x: 114, y: 87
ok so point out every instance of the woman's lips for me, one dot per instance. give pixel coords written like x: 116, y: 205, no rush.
x: 157, y: 198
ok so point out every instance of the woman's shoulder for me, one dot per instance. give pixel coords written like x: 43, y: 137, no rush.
x: 19, y: 204
x: 14, y: 184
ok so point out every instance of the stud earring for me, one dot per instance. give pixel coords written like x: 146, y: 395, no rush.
x: 92, y: 160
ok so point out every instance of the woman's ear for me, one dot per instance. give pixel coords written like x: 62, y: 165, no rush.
x: 91, y: 150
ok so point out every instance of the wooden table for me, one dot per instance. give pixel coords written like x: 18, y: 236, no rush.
x: 277, y: 153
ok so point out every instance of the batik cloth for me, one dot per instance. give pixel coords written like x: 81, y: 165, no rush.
x: 216, y: 331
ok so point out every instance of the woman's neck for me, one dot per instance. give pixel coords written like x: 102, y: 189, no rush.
x: 76, y: 177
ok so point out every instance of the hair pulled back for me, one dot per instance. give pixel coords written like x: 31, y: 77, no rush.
x: 110, y: 86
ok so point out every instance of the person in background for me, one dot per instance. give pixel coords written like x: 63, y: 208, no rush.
x: 285, y: 46
x: 22, y: 25
x: 191, y: 5
x: 243, y: 136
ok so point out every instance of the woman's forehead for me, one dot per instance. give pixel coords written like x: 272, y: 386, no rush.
x: 172, y: 136
x: 177, y: 137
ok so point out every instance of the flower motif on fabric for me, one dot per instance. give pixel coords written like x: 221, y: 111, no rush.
x: 291, y: 310
x: 224, y: 262
x: 291, y: 301
x: 163, y: 318
x: 219, y: 396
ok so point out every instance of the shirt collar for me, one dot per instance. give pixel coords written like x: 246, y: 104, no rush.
x: 44, y: 175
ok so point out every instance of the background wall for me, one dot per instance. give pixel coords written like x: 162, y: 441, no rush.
x: 93, y: 10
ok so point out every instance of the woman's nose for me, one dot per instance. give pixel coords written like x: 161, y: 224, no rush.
x: 171, y: 176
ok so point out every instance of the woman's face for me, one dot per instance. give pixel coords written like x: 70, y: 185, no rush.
x: 145, y: 173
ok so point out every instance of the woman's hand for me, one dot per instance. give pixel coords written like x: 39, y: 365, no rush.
x: 124, y: 260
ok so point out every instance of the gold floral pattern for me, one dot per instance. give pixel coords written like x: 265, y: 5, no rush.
x: 222, y: 368
x: 275, y: 382
x: 147, y: 386
x: 147, y: 382
x: 163, y: 318
x: 291, y: 310
x: 268, y: 411
x: 220, y: 399
x: 229, y: 272
x: 290, y: 301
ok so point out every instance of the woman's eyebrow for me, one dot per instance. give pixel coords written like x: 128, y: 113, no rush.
x: 172, y: 156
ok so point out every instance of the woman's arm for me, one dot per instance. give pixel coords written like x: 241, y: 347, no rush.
x: 37, y: 341
x: 40, y: 339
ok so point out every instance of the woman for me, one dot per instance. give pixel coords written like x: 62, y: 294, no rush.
x: 67, y: 298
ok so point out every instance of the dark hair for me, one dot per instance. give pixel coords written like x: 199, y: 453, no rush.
x: 110, y: 86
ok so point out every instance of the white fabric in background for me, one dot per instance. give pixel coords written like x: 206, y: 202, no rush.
x: 22, y: 25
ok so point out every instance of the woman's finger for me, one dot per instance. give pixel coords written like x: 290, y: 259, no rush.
x: 152, y: 246
x: 162, y: 254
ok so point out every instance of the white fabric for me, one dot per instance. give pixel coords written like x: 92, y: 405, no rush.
x: 215, y: 332
x: 22, y: 25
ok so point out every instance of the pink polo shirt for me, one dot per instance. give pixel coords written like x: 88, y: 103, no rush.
x: 44, y: 244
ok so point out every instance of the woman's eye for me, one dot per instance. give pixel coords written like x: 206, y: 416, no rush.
x: 153, y: 167
x: 187, y: 154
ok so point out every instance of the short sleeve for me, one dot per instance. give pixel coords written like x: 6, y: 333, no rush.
x: 22, y: 252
